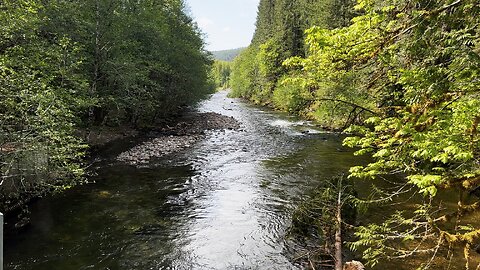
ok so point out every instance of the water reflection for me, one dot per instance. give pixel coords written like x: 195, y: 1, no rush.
x: 223, y: 204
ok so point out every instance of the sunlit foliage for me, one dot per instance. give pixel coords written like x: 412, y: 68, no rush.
x: 404, y: 77
x: 221, y: 71
x: 66, y: 65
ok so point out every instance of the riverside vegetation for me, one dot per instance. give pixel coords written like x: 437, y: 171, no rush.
x: 221, y: 72
x: 222, y: 67
x: 70, y: 66
x: 404, y: 77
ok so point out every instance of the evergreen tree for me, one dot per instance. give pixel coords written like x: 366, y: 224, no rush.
x: 404, y: 76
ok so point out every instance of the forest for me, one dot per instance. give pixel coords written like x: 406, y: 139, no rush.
x: 70, y: 67
x: 221, y: 72
x: 386, y: 92
x: 227, y: 55
x: 401, y: 79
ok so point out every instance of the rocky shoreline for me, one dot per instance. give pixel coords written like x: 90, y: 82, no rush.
x: 170, y: 139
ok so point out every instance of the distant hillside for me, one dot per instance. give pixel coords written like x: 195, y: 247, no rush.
x: 227, y: 55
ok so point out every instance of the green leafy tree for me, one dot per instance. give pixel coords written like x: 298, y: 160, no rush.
x: 66, y: 65
x: 412, y: 68
x: 406, y: 74
x: 244, y: 74
x: 40, y: 90
x: 279, y: 35
x: 428, y: 131
x: 221, y: 74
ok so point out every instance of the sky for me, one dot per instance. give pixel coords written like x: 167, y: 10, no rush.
x: 226, y: 24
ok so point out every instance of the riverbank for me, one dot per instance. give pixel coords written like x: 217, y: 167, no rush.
x: 186, y: 132
x: 225, y: 202
x: 168, y: 137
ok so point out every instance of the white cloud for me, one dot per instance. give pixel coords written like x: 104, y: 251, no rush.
x: 226, y: 29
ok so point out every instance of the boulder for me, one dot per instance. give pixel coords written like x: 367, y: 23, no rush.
x: 353, y: 265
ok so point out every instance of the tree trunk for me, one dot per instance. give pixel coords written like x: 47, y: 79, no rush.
x: 96, y: 62
x: 338, y: 233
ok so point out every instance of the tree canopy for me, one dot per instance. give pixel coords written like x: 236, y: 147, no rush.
x: 66, y: 65
x: 404, y: 77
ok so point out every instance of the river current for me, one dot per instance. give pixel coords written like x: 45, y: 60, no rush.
x: 225, y: 203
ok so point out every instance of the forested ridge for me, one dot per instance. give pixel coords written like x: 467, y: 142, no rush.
x: 227, y: 55
x: 67, y: 66
x: 403, y: 76
x: 222, y: 67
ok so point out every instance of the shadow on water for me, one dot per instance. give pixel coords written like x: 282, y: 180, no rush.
x: 222, y: 204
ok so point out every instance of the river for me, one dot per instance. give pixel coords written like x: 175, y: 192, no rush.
x: 224, y: 203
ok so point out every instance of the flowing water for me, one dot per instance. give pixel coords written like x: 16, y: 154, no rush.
x: 223, y: 204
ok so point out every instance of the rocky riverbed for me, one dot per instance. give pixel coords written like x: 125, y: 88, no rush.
x: 173, y: 138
